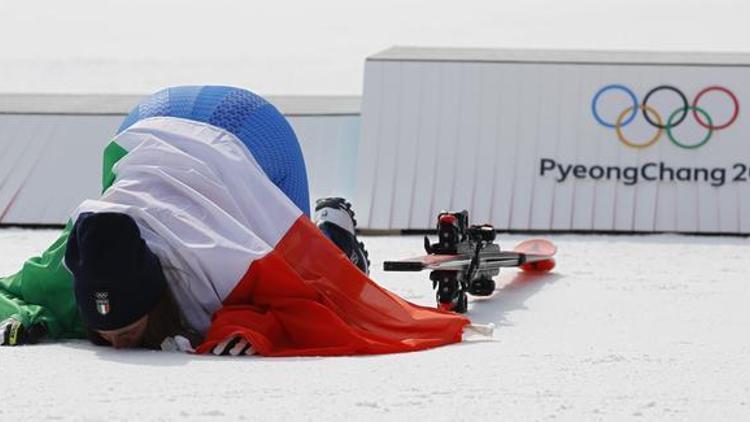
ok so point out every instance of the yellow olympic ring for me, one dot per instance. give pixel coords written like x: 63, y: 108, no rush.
x: 621, y: 136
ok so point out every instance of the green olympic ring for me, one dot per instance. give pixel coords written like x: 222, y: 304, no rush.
x: 684, y: 110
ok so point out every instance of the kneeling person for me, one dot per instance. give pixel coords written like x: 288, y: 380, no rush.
x: 202, y: 237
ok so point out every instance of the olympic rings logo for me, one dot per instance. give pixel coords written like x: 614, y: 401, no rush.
x: 674, y: 119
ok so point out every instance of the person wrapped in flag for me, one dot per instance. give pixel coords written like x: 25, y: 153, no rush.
x: 202, y: 241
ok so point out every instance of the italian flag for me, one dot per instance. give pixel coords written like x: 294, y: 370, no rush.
x: 241, y: 259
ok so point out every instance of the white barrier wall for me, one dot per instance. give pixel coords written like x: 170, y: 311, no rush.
x: 51, y: 148
x: 535, y: 140
x: 49, y: 164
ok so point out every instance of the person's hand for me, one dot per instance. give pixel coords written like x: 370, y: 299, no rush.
x: 234, y: 346
x: 13, y: 333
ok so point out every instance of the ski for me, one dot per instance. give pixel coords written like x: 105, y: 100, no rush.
x: 466, y: 258
x: 458, y: 262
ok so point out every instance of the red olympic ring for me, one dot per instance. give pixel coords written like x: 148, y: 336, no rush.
x: 710, y: 126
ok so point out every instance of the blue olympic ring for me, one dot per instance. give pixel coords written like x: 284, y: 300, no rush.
x: 621, y: 88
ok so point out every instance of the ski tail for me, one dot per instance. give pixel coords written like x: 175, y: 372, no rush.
x: 538, y: 255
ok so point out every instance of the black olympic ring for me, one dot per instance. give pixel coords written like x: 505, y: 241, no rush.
x: 669, y: 124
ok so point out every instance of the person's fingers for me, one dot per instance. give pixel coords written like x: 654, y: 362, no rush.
x: 239, y: 347
x: 221, y: 347
x: 234, y: 346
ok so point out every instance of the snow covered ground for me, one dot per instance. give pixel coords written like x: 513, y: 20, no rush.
x: 627, y: 327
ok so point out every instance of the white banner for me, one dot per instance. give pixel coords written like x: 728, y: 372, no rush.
x: 556, y: 145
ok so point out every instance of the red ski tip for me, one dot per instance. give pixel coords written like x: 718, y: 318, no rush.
x: 536, y: 247
x: 539, y: 266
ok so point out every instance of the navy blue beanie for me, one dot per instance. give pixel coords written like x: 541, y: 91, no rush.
x: 116, y: 278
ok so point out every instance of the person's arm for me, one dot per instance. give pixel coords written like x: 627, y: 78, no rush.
x: 40, y: 297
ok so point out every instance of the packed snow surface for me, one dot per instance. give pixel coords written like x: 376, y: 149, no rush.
x: 625, y: 327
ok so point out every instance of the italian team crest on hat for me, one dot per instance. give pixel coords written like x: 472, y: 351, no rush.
x: 102, y: 302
